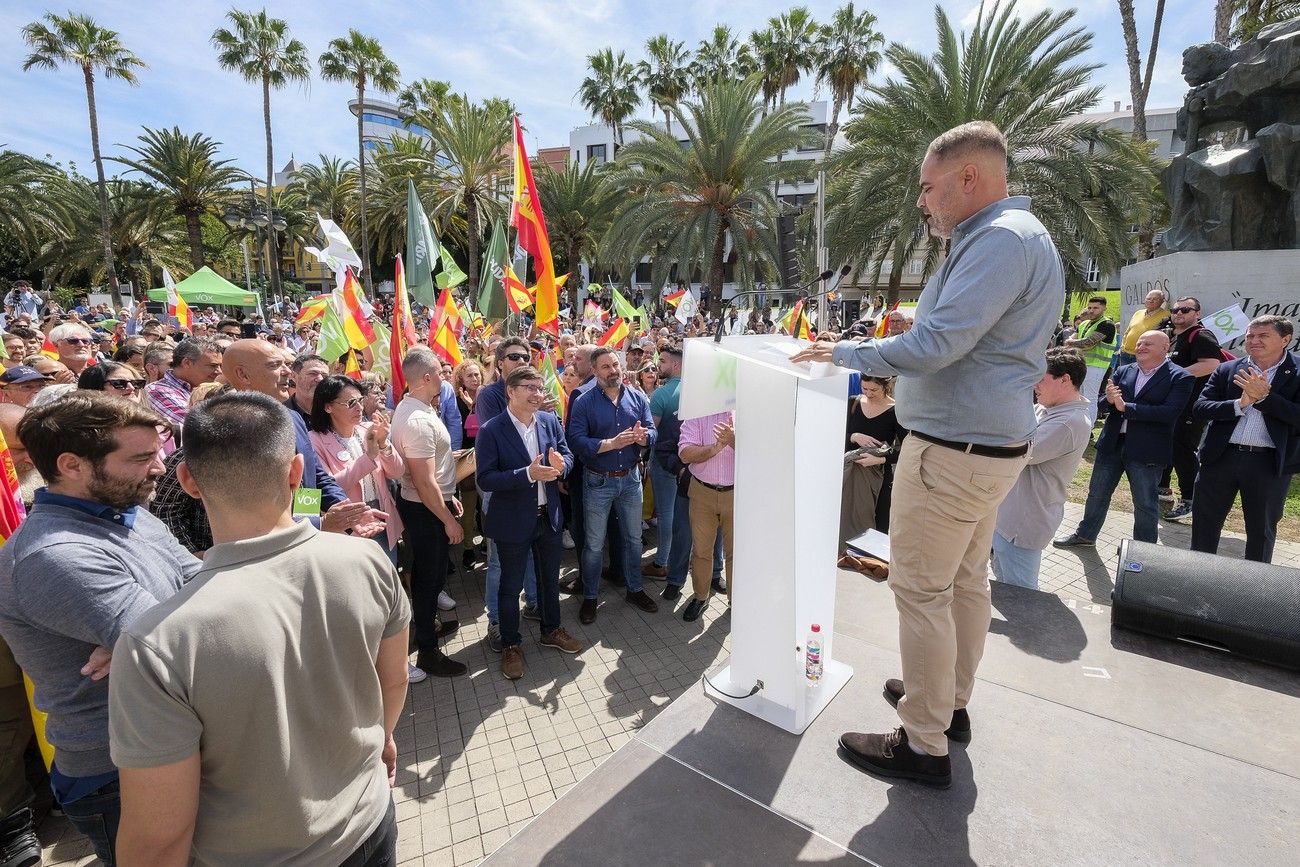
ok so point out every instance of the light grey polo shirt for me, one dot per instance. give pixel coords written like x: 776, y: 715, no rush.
x: 1035, y: 506
x: 967, y: 368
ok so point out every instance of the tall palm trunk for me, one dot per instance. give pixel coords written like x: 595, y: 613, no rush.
x: 1223, y: 20
x: 716, y: 268
x: 834, y: 126
x: 194, y: 231
x: 271, y: 241
x: 891, y: 292
x: 471, y: 244
x: 101, y: 186
x: 361, y: 164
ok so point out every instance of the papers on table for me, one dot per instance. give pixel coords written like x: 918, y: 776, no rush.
x: 872, y: 543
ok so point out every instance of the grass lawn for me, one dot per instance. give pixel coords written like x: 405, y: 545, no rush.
x: 1288, y: 529
x: 1078, y: 302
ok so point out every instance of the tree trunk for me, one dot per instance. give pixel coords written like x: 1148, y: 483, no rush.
x: 101, y: 186
x: 716, y: 268
x: 1223, y: 21
x: 194, y: 231
x: 891, y: 291
x: 361, y: 165
x: 1139, y: 86
x: 834, y: 126
x: 471, y: 246
x: 270, y: 177
x: 668, y: 120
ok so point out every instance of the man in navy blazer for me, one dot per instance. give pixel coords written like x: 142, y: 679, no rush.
x: 1146, y: 398
x: 521, y: 455
x: 1252, y: 445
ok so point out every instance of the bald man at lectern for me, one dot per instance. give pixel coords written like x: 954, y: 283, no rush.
x: 966, y: 372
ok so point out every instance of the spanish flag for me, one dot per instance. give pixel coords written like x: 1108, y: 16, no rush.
x: 676, y: 297
x: 403, y: 336
x: 616, y: 334
x: 48, y: 349
x: 442, y: 340
x: 518, y: 298
x: 882, y: 327
x: 795, y: 322
x: 311, y: 310
x: 351, y: 367
x: 355, y: 324
x: 447, y: 311
x: 527, y: 218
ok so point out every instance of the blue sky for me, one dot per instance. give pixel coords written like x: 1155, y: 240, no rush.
x: 484, y: 49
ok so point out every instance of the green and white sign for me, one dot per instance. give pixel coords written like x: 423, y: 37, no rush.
x: 306, y: 503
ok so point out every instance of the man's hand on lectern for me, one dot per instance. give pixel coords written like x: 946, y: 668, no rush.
x: 819, y: 351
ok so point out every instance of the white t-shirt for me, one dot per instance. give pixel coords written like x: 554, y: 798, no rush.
x: 418, y: 432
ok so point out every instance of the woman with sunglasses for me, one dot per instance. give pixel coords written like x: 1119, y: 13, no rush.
x: 647, y: 379
x: 114, y: 378
x: 356, y: 452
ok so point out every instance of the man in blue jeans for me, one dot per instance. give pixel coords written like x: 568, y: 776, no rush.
x: 1146, y: 399
x: 610, y: 425
x: 663, y: 405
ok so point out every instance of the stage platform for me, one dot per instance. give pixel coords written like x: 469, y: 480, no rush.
x: 1090, y: 747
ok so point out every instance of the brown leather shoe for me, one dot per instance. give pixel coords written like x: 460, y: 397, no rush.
x: 512, y: 662
x: 958, y: 729
x: 587, y: 613
x: 642, y: 601
x: 653, y: 570
x: 560, y: 639
x: 890, y: 756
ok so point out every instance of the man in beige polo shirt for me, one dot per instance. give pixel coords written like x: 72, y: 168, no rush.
x: 251, y: 715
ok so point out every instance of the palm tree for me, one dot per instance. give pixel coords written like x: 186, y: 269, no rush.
x: 426, y: 94
x: 665, y: 73
x: 329, y: 189
x: 403, y: 157
x: 189, y: 175
x: 361, y: 61
x: 579, y: 204
x: 259, y: 49
x: 143, y: 235
x: 1089, y: 184
x: 686, y: 202
x: 78, y: 41
x: 721, y: 56
x: 850, y: 52
x: 474, y: 139
x: 609, y: 92
x: 1251, y: 16
x: 789, y: 47
x: 26, y: 212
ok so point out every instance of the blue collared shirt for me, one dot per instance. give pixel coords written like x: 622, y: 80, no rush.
x: 1251, y: 429
x: 595, y: 418
x: 967, y: 368
x: 124, y: 517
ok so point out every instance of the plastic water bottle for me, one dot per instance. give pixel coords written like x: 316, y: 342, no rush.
x: 812, y: 666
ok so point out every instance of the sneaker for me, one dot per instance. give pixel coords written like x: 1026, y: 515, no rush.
x: 494, y: 638
x: 890, y: 756
x: 1165, y: 495
x: 560, y: 639
x: 445, y: 602
x: 1179, y: 512
x: 512, y: 663
x: 530, y: 612
x: 567, y: 541
x: 415, y: 674
x: 1073, y: 540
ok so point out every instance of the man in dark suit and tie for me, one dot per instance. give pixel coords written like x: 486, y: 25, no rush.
x: 521, y: 456
x: 1252, y: 445
x: 1146, y: 398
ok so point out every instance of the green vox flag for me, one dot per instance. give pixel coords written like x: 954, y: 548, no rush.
x: 421, y: 251
x: 333, y: 342
x: 491, y: 283
x: 623, y: 308
x: 450, y: 276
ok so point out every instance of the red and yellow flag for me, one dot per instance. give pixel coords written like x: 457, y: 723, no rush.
x: 351, y: 367
x: 12, y: 512
x: 518, y: 298
x: 48, y: 349
x: 882, y: 327
x: 527, y: 218
x: 311, y: 310
x: 676, y: 297
x: 616, y: 334
x: 403, y: 336
x: 355, y: 325
x: 442, y: 340
x: 447, y: 311
x: 795, y: 322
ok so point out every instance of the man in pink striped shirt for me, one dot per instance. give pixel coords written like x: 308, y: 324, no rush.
x: 708, y: 447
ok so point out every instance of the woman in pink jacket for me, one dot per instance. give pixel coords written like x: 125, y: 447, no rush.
x: 356, y: 452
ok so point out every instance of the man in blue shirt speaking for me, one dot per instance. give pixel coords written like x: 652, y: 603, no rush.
x: 609, y: 427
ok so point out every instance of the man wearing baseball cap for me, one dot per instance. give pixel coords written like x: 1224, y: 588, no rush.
x: 21, y: 383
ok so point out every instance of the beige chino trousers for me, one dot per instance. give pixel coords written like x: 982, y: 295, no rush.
x: 710, y: 510
x: 944, y: 510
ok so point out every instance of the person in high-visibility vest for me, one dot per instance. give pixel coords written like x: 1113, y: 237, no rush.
x: 1096, y: 340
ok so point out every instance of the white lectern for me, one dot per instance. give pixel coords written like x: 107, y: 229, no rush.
x: 789, y: 466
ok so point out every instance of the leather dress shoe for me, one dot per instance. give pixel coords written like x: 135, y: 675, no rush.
x: 1073, y: 540
x: 890, y: 756
x: 641, y: 600
x: 958, y: 729
x: 653, y: 570
x: 671, y: 592
x: 693, y: 609
x: 587, y: 613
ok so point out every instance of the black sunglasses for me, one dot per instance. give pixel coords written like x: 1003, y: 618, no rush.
x: 123, y: 384
x: 517, y: 356
x: 1184, y: 309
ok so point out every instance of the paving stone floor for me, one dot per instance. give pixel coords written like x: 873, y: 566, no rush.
x: 480, y: 756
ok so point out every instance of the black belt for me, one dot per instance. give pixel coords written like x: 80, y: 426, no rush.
x: 975, y: 448
x: 1241, y: 448
x: 721, y: 488
x: 614, y: 474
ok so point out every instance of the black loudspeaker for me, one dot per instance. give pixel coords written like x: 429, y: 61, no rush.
x: 1245, y: 608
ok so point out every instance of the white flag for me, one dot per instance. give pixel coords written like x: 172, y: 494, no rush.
x: 687, y: 307
x: 338, y: 253
x: 170, y: 285
x: 1228, y: 324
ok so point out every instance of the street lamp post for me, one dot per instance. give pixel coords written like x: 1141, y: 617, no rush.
x: 255, y: 219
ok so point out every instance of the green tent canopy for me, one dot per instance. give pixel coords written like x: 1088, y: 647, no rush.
x: 205, y: 287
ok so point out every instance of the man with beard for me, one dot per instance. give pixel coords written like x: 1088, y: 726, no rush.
x: 83, y: 566
x: 28, y: 479
x: 75, y: 345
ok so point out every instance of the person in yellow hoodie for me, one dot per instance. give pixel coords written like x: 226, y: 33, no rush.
x: 1150, y: 317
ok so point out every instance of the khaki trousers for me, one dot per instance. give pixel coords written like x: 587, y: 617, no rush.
x: 710, y: 510
x: 941, y: 529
